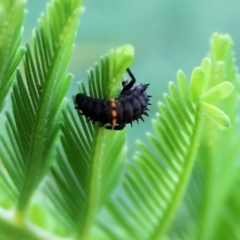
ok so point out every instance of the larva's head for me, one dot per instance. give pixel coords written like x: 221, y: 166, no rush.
x: 80, y: 100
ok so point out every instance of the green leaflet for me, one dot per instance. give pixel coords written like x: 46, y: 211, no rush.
x: 197, y: 83
x: 201, y: 77
x: 217, y: 93
x: 11, y: 14
x: 217, y: 116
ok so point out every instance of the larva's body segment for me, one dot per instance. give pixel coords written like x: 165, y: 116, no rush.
x: 97, y: 110
x: 115, y: 113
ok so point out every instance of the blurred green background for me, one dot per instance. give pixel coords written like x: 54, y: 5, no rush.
x: 167, y: 35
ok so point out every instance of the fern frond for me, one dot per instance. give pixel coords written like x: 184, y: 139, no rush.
x: 217, y: 159
x: 155, y: 182
x: 37, y: 102
x: 220, y: 149
x: 11, y: 20
x: 91, y: 158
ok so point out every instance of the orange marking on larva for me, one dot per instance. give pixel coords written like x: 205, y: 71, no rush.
x: 114, y: 113
x: 113, y: 103
x: 114, y: 122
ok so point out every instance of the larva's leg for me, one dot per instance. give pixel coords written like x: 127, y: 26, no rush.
x: 126, y: 85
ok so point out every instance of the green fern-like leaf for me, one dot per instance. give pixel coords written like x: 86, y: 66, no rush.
x: 208, y: 192
x: 33, y: 128
x: 155, y: 182
x: 220, y: 148
x: 11, y: 20
x: 91, y: 158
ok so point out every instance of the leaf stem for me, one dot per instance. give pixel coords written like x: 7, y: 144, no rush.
x: 9, y: 230
x: 94, y: 190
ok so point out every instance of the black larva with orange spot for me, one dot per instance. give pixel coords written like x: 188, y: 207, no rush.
x: 115, y: 113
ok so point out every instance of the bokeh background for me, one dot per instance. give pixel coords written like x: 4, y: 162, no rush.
x: 167, y: 35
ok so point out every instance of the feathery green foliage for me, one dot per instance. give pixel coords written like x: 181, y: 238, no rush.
x: 220, y: 150
x: 93, y: 157
x: 33, y: 128
x: 82, y: 196
x: 209, y: 190
x: 11, y: 20
x: 155, y: 182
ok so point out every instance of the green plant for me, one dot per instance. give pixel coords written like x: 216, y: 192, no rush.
x: 64, y: 178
